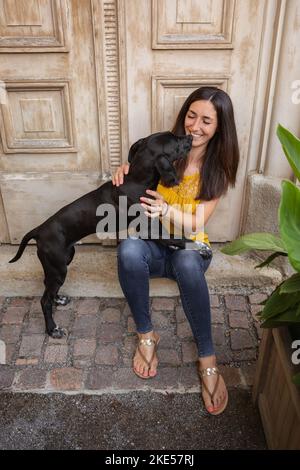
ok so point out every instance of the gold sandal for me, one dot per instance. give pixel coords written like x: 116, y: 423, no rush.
x: 213, y: 371
x: 147, y: 342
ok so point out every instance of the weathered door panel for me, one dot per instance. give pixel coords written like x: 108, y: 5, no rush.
x: 60, y: 106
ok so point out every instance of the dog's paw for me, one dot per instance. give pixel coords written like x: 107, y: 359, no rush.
x: 170, y: 181
x: 58, y: 333
x: 62, y: 300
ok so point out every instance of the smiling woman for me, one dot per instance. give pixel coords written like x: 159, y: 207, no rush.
x: 208, y: 115
x: 204, y: 176
x: 201, y: 122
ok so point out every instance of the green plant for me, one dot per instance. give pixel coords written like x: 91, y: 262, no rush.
x: 282, y: 307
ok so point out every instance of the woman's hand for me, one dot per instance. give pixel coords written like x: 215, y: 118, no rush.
x: 118, y: 177
x: 154, y: 207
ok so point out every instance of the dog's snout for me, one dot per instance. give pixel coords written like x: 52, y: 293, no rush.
x: 189, y: 140
x: 186, y: 143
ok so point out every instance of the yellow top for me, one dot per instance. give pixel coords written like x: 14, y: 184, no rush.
x: 184, y: 196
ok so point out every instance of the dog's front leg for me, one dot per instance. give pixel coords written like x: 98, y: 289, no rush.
x: 167, y: 171
x: 51, y: 328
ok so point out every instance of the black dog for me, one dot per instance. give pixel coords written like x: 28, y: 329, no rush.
x: 151, y: 159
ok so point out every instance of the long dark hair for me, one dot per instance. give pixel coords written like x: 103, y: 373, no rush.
x: 220, y: 162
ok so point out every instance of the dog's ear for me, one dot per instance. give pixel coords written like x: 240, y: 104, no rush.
x: 133, y: 149
x: 167, y: 171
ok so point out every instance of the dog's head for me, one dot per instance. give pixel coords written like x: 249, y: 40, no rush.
x: 162, y: 143
x: 169, y: 145
x: 159, y: 151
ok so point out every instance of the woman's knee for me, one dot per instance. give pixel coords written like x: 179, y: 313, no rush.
x: 131, y: 251
x: 188, y: 262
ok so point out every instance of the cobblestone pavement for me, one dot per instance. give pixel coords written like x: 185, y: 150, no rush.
x: 95, y: 357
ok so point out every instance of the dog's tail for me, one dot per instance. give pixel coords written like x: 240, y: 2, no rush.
x: 23, y: 244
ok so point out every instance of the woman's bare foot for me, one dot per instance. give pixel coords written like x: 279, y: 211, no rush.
x: 146, y: 354
x: 212, y: 405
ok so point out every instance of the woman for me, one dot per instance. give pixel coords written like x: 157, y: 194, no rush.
x: 205, y: 175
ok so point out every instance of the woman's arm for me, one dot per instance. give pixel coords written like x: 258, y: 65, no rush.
x: 190, y: 223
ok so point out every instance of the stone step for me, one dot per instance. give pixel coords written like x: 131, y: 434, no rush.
x: 93, y: 272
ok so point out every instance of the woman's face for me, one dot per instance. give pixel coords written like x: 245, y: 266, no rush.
x: 201, y: 122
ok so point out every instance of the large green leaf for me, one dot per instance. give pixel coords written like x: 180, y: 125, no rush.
x: 289, y: 316
x: 285, y: 318
x: 255, y: 241
x: 278, y: 303
x: 292, y: 284
x: 289, y: 221
x: 291, y: 148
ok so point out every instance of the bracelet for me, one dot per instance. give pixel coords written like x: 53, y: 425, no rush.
x: 163, y: 213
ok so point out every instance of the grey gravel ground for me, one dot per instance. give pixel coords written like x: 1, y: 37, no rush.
x: 132, y: 421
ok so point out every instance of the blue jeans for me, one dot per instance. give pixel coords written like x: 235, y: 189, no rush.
x: 139, y: 260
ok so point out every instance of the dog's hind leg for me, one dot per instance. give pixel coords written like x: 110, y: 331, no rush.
x: 70, y: 254
x: 52, y: 287
x: 64, y: 299
x: 60, y: 299
x: 54, y: 278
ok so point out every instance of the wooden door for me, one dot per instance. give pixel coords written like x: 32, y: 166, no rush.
x: 176, y: 46
x: 60, y: 106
